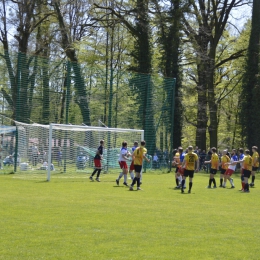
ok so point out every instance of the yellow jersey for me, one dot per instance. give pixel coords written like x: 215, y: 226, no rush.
x: 224, y: 159
x: 255, y: 158
x: 138, y: 154
x: 214, y: 161
x: 247, y: 163
x: 190, y: 160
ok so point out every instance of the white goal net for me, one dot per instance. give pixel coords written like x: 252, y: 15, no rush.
x: 59, y: 150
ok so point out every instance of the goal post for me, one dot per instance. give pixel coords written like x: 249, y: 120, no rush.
x: 63, y: 150
x: 84, y: 140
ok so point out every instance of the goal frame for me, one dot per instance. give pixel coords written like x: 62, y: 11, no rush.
x: 52, y: 126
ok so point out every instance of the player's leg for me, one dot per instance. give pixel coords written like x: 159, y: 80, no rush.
x: 125, y: 171
x: 190, y: 181
x: 138, y: 180
x: 119, y: 177
x: 211, y: 177
x: 246, y: 187
x: 98, y: 174
x: 120, y: 174
x: 138, y: 169
x: 213, y: 180
x: 246, y: 177
x: 253, y: 176
x: 95, y: 169
x: 183, y: 183
x: 93, y: 173
x: 225, y: 179
x: 177, y: 177
x: 231, y: 180
x: 99, y: 168
x: 242, y: 179
x: 221, y: 177
x: 131, y: 170
x: 185, y: 174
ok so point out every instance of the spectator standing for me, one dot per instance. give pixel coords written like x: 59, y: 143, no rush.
x: 35, y: 154
x: 59, y: 157
x: 155, y: 161
x: 202, y: 157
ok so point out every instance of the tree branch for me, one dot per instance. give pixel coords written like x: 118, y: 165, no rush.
x: 7, y: 97
x: 231, y: 57
x: 221, y: 98
x: 122, y: 19
x: 190, y: 122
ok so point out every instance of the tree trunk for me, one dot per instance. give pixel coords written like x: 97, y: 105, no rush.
x: 202, y: 117
x: 81, y: 94
x: 250, y: 113
x: 213, y: 107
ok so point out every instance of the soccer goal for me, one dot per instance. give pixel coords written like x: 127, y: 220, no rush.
x: 70, y: 149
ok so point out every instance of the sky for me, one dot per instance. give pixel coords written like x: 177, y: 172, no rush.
x: 240, y: 15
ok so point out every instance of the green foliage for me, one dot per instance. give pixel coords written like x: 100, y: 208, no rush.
x: 227, y: 82
x: 105, y: 41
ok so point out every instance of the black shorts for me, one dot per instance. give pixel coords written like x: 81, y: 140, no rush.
x: 213, y: 171
x: 189, y: 173
x: 138, y: 168
x: 254, y: 169
x: 246, y: 173
x: 222, y: 171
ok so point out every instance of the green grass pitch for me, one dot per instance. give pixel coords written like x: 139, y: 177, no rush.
x: 74, y: 218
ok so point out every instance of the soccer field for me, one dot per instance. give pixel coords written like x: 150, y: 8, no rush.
x: 74, y: 218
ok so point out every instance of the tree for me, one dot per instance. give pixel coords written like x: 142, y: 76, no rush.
x: 140, y: 29
x: 69, y: 34
x: 250, y: 113
x: 211, y: 20
x: 169, y: 38
x: 25, y: 20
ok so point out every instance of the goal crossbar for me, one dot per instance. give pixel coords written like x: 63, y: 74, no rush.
x: 82, y: 128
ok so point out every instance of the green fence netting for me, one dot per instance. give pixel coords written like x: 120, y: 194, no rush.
x: 36, y: 89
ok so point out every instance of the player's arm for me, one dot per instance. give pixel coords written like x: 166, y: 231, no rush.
x: 126, y: 155
x: 240, y: 161
x: 144, y: 156
x: 207, y: 161
x: 198, y: 165
x: 183, y: 163
x: 234, y: 163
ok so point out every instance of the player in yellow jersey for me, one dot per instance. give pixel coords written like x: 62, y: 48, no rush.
x: 190, y: 159
x: 214, y: 161
x: 224, y: 159
x: 255, y: 165
x: 247, y: 163
x: 138, y: 156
